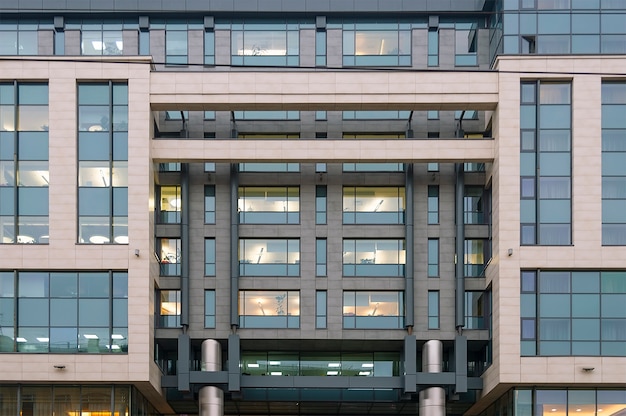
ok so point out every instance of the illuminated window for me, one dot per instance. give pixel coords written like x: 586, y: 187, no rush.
x: 269, y: 309
x: 373, y: 310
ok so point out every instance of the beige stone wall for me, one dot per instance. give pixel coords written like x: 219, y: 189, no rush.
x: 63, y: 252
x: 586, y: 75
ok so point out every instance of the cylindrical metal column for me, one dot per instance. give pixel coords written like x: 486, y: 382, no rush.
x: 210, y: 398
x: 432, y: 400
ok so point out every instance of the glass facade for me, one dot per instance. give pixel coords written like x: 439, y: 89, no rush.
x: 545, y: 163
x: 24, y: 174
x: 73, y: 400
x: 573, y: 313
x: 563, y: 27
x: 64, y: 312
x: 103, y: 163
x: 341, y: 364
x: 542, y: 401
x: 269, y: 309
x: 613, y: 166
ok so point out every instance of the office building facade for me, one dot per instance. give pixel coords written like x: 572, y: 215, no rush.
x: 225, y: 207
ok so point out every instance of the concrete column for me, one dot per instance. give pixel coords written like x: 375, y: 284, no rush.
x: 432, y: 400
x: 210, y: 398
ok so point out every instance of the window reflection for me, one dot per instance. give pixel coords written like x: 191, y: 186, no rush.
x: 108, y: 42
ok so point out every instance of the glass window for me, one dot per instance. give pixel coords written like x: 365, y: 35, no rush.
x: 466, y: 44
x: 374, y: 258
x: 320, y: 48
x: 433, y: 47
x: 613, y: 174
x: 209, y: 204
x: 209, y: 308
x: 433, y: 309
x: 473, y: 204
x: 209, y: 47
x: 24, y: 184
x: 269, y: 205
x: 18, y: 39
x: 169, y: 309
x: 384, y: 310
x: 476, y: 304
x: 170, y: 205
x: 265, y: 44
x: 320, y: 309
x: 269, y: 167
x: 320, y: 257
x: 103, y: 163
x: 269, y: 309
x: 320, y: 204
x: 169, y: 259
x: 64, y: 312
x: 433, y: 204
x: 383, y: 44
x: 175, y: 46
x: 209, y: 256
x: 373, y: 205
x: 475, y: 257
x: 433, y: 257
x: 102, y: 42
x: 269, y: 257
x: 575, y: 317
